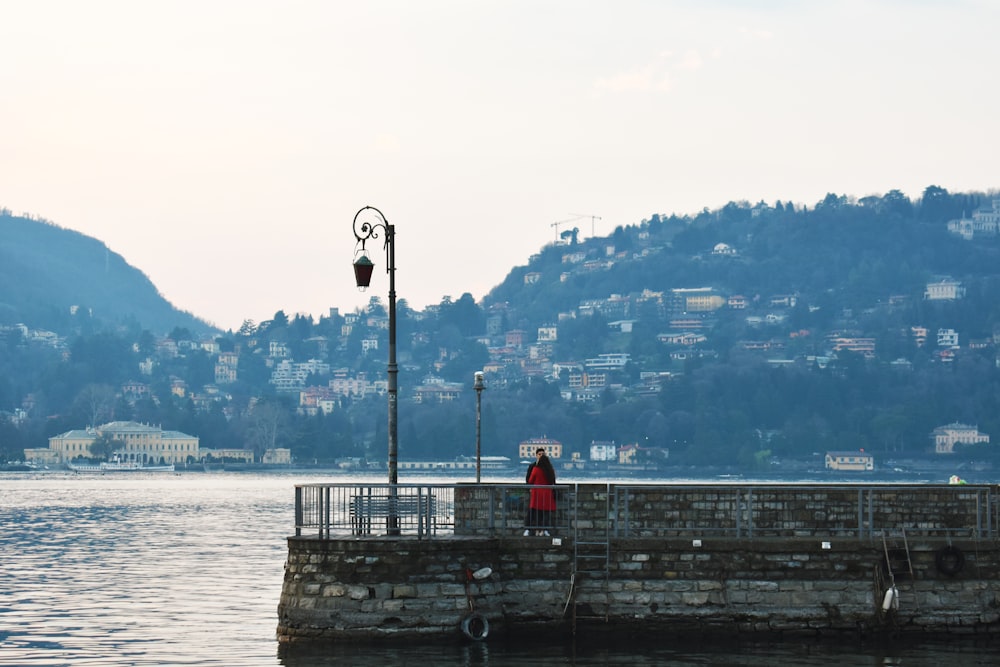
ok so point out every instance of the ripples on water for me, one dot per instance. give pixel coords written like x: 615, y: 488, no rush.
x: 142, y: 570
x: 186, y: 569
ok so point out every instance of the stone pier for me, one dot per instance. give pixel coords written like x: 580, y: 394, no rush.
x: 360, y: 588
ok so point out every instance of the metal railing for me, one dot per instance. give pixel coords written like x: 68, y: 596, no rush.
x: 329, y: 510
x: 649, y: 510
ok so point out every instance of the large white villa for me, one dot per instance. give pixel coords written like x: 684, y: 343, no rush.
x: 946, y: 437
x: 137, y: 442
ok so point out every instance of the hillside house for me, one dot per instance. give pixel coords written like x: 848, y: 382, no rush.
x: 946, y: 437
x: 865, y: 346
x: 608, y: 362
x: 514, y: 338
x: 686, y: 338
x: 526, y: 449
x: 945, y: 289
x: 436, y: 390
x: 947, y: 338
x: 603, y: 451
x: 985, y: 221
x: 548, y: 333
x: 857, y: 461
x: 724, y: 249
x: 696, y: 300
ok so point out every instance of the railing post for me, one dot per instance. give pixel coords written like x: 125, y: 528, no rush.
x: 318, y: 500
x: 423, y: 512
x: 990, y: 504
x: 505, y: 509
x: 325, y: 514
x: 614, y: 509
x: 298, y: 511
x: 861, y: 509
x: 979, y: 514
x: 491, y: 522
x: 740, y: 500
x: 749, y: 509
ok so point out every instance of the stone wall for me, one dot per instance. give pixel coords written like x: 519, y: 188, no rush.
x: 357, y: 589
x: 740, y: 511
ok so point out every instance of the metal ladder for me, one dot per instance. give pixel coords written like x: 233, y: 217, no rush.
x: 591, y: 563
x: 896, y: 549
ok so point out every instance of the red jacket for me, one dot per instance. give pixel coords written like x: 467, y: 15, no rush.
x: 541, y: 498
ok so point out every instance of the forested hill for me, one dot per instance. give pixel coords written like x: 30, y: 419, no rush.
x: 751, y: 335
x: 816, y: 333
x: 60, y: 280
x: 840, y: 253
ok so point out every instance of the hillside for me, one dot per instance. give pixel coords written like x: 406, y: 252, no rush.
x: 838, y: 254
x: 749, y: 335
x: 56, y: 279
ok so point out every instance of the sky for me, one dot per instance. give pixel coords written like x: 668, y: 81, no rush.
x: 223, y: 147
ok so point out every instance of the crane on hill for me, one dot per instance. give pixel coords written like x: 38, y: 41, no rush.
x: 593, y: 221
x: 575, y: 217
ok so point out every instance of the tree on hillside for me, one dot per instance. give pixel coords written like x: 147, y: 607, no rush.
x: 267, y: 426
x: 103, y: 358
x: 832, y: 201
x: 570, y: 235
x: 97, y: 402
x: 180, y: 333
x: 936, y: 205
x: 896, y: 203
x: 465, y: 315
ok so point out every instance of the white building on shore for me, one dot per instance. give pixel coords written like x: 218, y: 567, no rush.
x: 133, y: 442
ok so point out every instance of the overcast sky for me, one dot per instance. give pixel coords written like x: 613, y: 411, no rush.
x: 223, y: 147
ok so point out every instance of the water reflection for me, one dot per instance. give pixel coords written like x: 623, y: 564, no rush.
x: 643, y: 653
x: 187, y: 570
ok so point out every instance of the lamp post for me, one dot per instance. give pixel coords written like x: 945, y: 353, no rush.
x: 368, y: 223
x: 479, y: 386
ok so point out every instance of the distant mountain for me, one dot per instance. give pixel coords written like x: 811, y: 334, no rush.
x: 58, y: 279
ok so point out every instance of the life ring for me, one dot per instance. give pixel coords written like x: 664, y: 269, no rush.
x: 949, y: 560
x: 476, y: 627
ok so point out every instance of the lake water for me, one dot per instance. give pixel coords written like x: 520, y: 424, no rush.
x: 186, y: 569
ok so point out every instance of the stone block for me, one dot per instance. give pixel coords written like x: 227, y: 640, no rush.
x: 334, y: 590
x: 402, y: 591
x: 695, y: 599
x: 357, y: 592
x: 393, y: 605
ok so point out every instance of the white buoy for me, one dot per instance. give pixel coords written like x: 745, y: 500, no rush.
x: 890, y: 599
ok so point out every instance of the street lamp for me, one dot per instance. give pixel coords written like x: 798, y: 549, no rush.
x: 479, y: 386
x: 367, y: 224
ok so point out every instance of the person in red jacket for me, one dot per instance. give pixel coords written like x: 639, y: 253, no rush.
x: 542, y: 506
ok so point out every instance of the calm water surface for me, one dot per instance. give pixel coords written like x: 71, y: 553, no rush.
x: 186, y: 569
